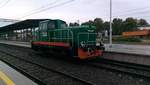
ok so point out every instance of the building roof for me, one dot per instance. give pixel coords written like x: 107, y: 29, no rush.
x: 137, y: 33
x: 29, y: 23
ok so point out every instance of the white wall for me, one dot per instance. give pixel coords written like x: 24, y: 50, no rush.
x: 148, y: 27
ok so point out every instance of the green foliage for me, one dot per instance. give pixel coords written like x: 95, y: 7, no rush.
x: 130, y: 24
x: 142, y: 22
x: 98, y: 22
x: 126, y: 39
x: 106, y: 25
x: 90, y: 22
x: 118, y: 25
x: 73, y: 24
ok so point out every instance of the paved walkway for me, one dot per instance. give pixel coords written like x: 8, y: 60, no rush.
x: 18, y: 43
x: 135, y: 49
x: 9, y: 76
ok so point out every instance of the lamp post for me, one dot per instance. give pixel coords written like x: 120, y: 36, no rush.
x: 110, y: 29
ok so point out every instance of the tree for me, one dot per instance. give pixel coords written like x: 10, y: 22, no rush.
x: 142, y: 22
x: 90, y: 22
x: 98, y: 22
x: 73, y: 24
x: 130, y: 24
x: 117, y: 26
x: 106, y: 26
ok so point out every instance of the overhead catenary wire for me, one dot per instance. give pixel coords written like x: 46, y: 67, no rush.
x: 5, y: 3
x: 48, y: 8
x: 42, y: 7
x: 134, y: 13
x: 134, y: 10
x: 130, y: 12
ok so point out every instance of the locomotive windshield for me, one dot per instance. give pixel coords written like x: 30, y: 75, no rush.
x: 63, y: 25
x: 51, y: 25
x: 57, y: 25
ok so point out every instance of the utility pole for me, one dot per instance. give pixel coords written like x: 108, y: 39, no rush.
x: 110, y: 30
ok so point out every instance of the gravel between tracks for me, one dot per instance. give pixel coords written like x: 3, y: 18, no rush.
x: 95, y: 75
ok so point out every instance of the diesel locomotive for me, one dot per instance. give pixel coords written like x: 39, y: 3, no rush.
x: 78, y: 41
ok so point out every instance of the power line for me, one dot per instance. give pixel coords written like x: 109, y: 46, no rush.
x: 44, y: 6
x: 137, y: 13
x: 48, y: 8
x: 5, y: 3
x: 134, y: 10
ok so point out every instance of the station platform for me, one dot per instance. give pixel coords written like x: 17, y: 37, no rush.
x: 17, y: 43
x: 140, y: 54
x: 133, y: 49
x: 122, y: 48
x: 9, y: 76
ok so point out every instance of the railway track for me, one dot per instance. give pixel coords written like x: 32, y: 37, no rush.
x: 137, y: 70
x: 43, y: 67
x: 94, y: 74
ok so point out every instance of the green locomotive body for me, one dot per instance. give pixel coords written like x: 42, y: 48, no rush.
x: 79, y: 41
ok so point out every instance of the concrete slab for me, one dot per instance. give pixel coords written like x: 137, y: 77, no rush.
x: 2, y: 82
x: 9, y: 76
x: 133, y: 49
x: 17, y: 43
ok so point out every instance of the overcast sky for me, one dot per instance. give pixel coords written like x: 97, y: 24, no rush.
x: 73, y: 10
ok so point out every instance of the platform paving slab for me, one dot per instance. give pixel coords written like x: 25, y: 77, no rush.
x: 17, y: 43
x: 9, y: 76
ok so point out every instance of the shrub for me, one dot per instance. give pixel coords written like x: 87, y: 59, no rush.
x: 127, y: 39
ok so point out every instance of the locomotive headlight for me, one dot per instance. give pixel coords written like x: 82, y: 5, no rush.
x: 83, y: 44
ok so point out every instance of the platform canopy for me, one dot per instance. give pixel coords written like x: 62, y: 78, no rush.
x: 29, y: 23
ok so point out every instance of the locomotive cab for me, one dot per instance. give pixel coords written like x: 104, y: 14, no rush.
x: 46, y: 28
x: 46, y: 36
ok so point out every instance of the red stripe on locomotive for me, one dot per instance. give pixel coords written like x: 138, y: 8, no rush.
x: 61, y: 44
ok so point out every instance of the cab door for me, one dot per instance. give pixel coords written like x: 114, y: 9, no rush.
x: 51, y: 31
x: 43, y: 32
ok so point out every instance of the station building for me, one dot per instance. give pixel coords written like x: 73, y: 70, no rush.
x: 20, y: 31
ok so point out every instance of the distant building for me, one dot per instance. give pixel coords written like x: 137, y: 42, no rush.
x: 143, y: 32
x: 144, y: 27
x: 4, y: 22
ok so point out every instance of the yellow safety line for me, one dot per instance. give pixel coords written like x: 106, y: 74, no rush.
x: 5, y: 78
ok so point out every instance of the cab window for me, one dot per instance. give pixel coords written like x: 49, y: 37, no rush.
x: 63, y: 25
x: 43, y: 26
x: 51, y: 25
